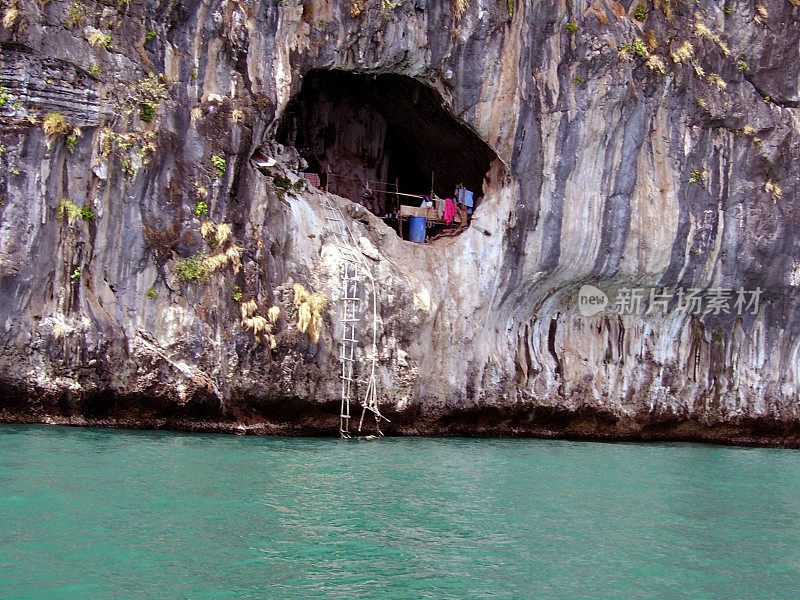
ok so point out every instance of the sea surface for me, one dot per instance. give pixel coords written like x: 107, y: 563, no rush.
x: 90, y: 514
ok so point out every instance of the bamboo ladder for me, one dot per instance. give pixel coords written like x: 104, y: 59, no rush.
x: 354, y: 267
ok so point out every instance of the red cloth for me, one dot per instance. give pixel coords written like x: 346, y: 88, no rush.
x: 449, y: 211
x: 313, y: 179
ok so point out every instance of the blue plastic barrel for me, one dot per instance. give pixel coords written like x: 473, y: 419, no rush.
x: 416, y: 229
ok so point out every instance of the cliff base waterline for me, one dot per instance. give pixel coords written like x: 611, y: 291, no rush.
x: 295, y: 417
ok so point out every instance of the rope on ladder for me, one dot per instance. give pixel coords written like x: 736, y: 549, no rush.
x: 354, y: 264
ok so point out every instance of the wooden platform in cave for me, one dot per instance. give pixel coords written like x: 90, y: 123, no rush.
x: 388, y: 138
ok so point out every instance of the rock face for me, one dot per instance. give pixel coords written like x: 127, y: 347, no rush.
x: 626, y: 147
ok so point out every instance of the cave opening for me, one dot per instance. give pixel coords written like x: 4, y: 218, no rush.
x: 386, y: 141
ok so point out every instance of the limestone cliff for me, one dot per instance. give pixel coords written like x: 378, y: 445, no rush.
x: 624, y: 145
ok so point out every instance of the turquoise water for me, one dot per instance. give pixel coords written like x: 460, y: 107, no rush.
x: 91, y: 514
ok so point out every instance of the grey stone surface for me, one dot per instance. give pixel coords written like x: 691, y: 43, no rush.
x: 478, y: 333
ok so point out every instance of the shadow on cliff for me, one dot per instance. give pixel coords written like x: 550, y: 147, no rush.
x: 296, y: 416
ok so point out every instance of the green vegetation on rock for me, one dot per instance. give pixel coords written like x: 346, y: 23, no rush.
x: 70, y: 211
x: 75, y: 15
x: 191, y: 269
x: 220, y: 165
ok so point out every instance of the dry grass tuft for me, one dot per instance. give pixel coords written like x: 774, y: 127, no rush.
x: 704, y: 31
x: 300, y: 294
x: 304, y: 317
x: 208, y: 228
x: 655, y: 63
x: 357, y: 9
x: 651, y: 40
x: 717, y: 80
x: 774, y: 190
x: 216, y: 235
x: 665, y: 6
x: 54, y: 125
x: 459, y: 8
x: 223, y: 233
x: 317, y: 302
x: 215, y: 262
x: 273, y: 314
x: 309, y: 311
x: 10, y: 17
x: 234, y: 256
x: 248, y: 309
x: 257, y: 324
x: 315, y: 328
x: 97, y: 38
x: 683, y: 53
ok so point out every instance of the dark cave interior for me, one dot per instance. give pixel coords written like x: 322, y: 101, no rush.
x: 354, y: 128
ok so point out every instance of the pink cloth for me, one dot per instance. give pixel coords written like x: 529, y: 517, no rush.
x: 449, y: 211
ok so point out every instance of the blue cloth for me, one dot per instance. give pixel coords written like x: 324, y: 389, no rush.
x: 467, y: 198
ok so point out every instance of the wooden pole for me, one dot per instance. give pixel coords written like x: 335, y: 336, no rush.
x: 327, y: 177
x: 431, y: 184
x: 397, y: 199
x: 409, y: 195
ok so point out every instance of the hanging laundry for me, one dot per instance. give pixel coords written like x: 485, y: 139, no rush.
x: 449, y: 211
x: 468, y: 201
x: 465, y: 197
x: 426, y: 202
x: 312, y: 178
x: 439, y: 205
